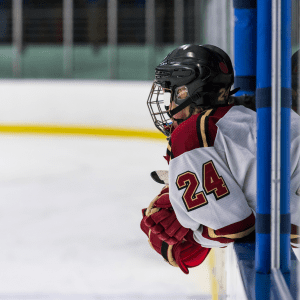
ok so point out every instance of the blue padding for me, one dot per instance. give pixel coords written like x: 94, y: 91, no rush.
x: 286, y: 97
x: 246, y: 83
x: 262, y: 223
x: 263, y: 97
x: 263, y: 205
x: 263, y: 253
x: 264, y: 133
x: 285, y: 253
x: 245, y: 42
x: 285, y: 223
x: 262, y: 286
x: 264, y: 44
x: 241, y: 4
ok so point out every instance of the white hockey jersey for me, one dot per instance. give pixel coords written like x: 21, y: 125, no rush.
x: 212, y: 174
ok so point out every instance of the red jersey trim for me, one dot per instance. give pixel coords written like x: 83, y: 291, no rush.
x: 237, y: 228
x: 184, y: 137
x: 231, y: 232
x: 207, y: 234
x: 198, y: 131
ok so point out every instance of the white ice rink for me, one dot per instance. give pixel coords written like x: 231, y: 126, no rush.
x: 71, y: 206
x: 69, y: 221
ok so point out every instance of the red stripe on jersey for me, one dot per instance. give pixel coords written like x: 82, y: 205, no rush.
x: 237, y: 227
x: 221, y: 240
x: 218, y: 114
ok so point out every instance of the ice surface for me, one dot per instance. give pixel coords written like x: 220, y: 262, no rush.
x: 69, y: 221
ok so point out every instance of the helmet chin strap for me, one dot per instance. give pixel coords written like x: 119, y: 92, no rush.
x: 191, y: 111
x: 182, y: 106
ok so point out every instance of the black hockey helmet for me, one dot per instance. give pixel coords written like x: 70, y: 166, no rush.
x: 198, y: 74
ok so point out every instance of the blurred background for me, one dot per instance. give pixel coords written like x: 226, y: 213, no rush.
x: 100, y: 39
x: 78, y: 144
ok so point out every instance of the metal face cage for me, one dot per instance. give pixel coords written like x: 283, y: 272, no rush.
x: 158, y: 108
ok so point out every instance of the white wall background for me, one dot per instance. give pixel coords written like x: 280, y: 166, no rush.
x: 74, y: 102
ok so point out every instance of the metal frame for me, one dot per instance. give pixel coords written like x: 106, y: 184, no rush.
x: 150, y: 22
x: 179, y: 22
x: 197, y: 17
x: 112, y: 29
x: 68, y: 37
x: 17, y: 36
x: 150, y: 35
x: 276, y: 131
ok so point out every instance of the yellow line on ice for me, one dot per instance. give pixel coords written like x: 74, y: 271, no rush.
x: 81, y: 130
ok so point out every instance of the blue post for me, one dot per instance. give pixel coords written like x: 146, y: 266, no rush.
x: 286, y: 102
x: 245, y: 17
x: 264, y: 134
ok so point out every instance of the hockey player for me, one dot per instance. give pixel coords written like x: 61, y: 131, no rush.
x: 210, y: 200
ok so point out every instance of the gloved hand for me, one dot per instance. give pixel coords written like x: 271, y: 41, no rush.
x: 161, y: 219
x: 184, y: 254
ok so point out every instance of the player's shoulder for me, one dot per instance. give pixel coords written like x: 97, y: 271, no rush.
x: 196, y: 132
x: 237, y: 121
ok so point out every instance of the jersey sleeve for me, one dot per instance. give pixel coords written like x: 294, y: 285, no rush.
x: 205, y: 196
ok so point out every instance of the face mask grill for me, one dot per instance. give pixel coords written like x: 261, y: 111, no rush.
x: 158, y: 104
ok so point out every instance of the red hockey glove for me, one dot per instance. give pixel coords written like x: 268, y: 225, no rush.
x: 161, y: 219
x: 185, y: 254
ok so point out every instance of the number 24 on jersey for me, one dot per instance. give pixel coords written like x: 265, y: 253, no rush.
x: 211, y: 182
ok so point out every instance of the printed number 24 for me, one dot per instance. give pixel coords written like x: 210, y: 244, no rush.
x: 212, y: 183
